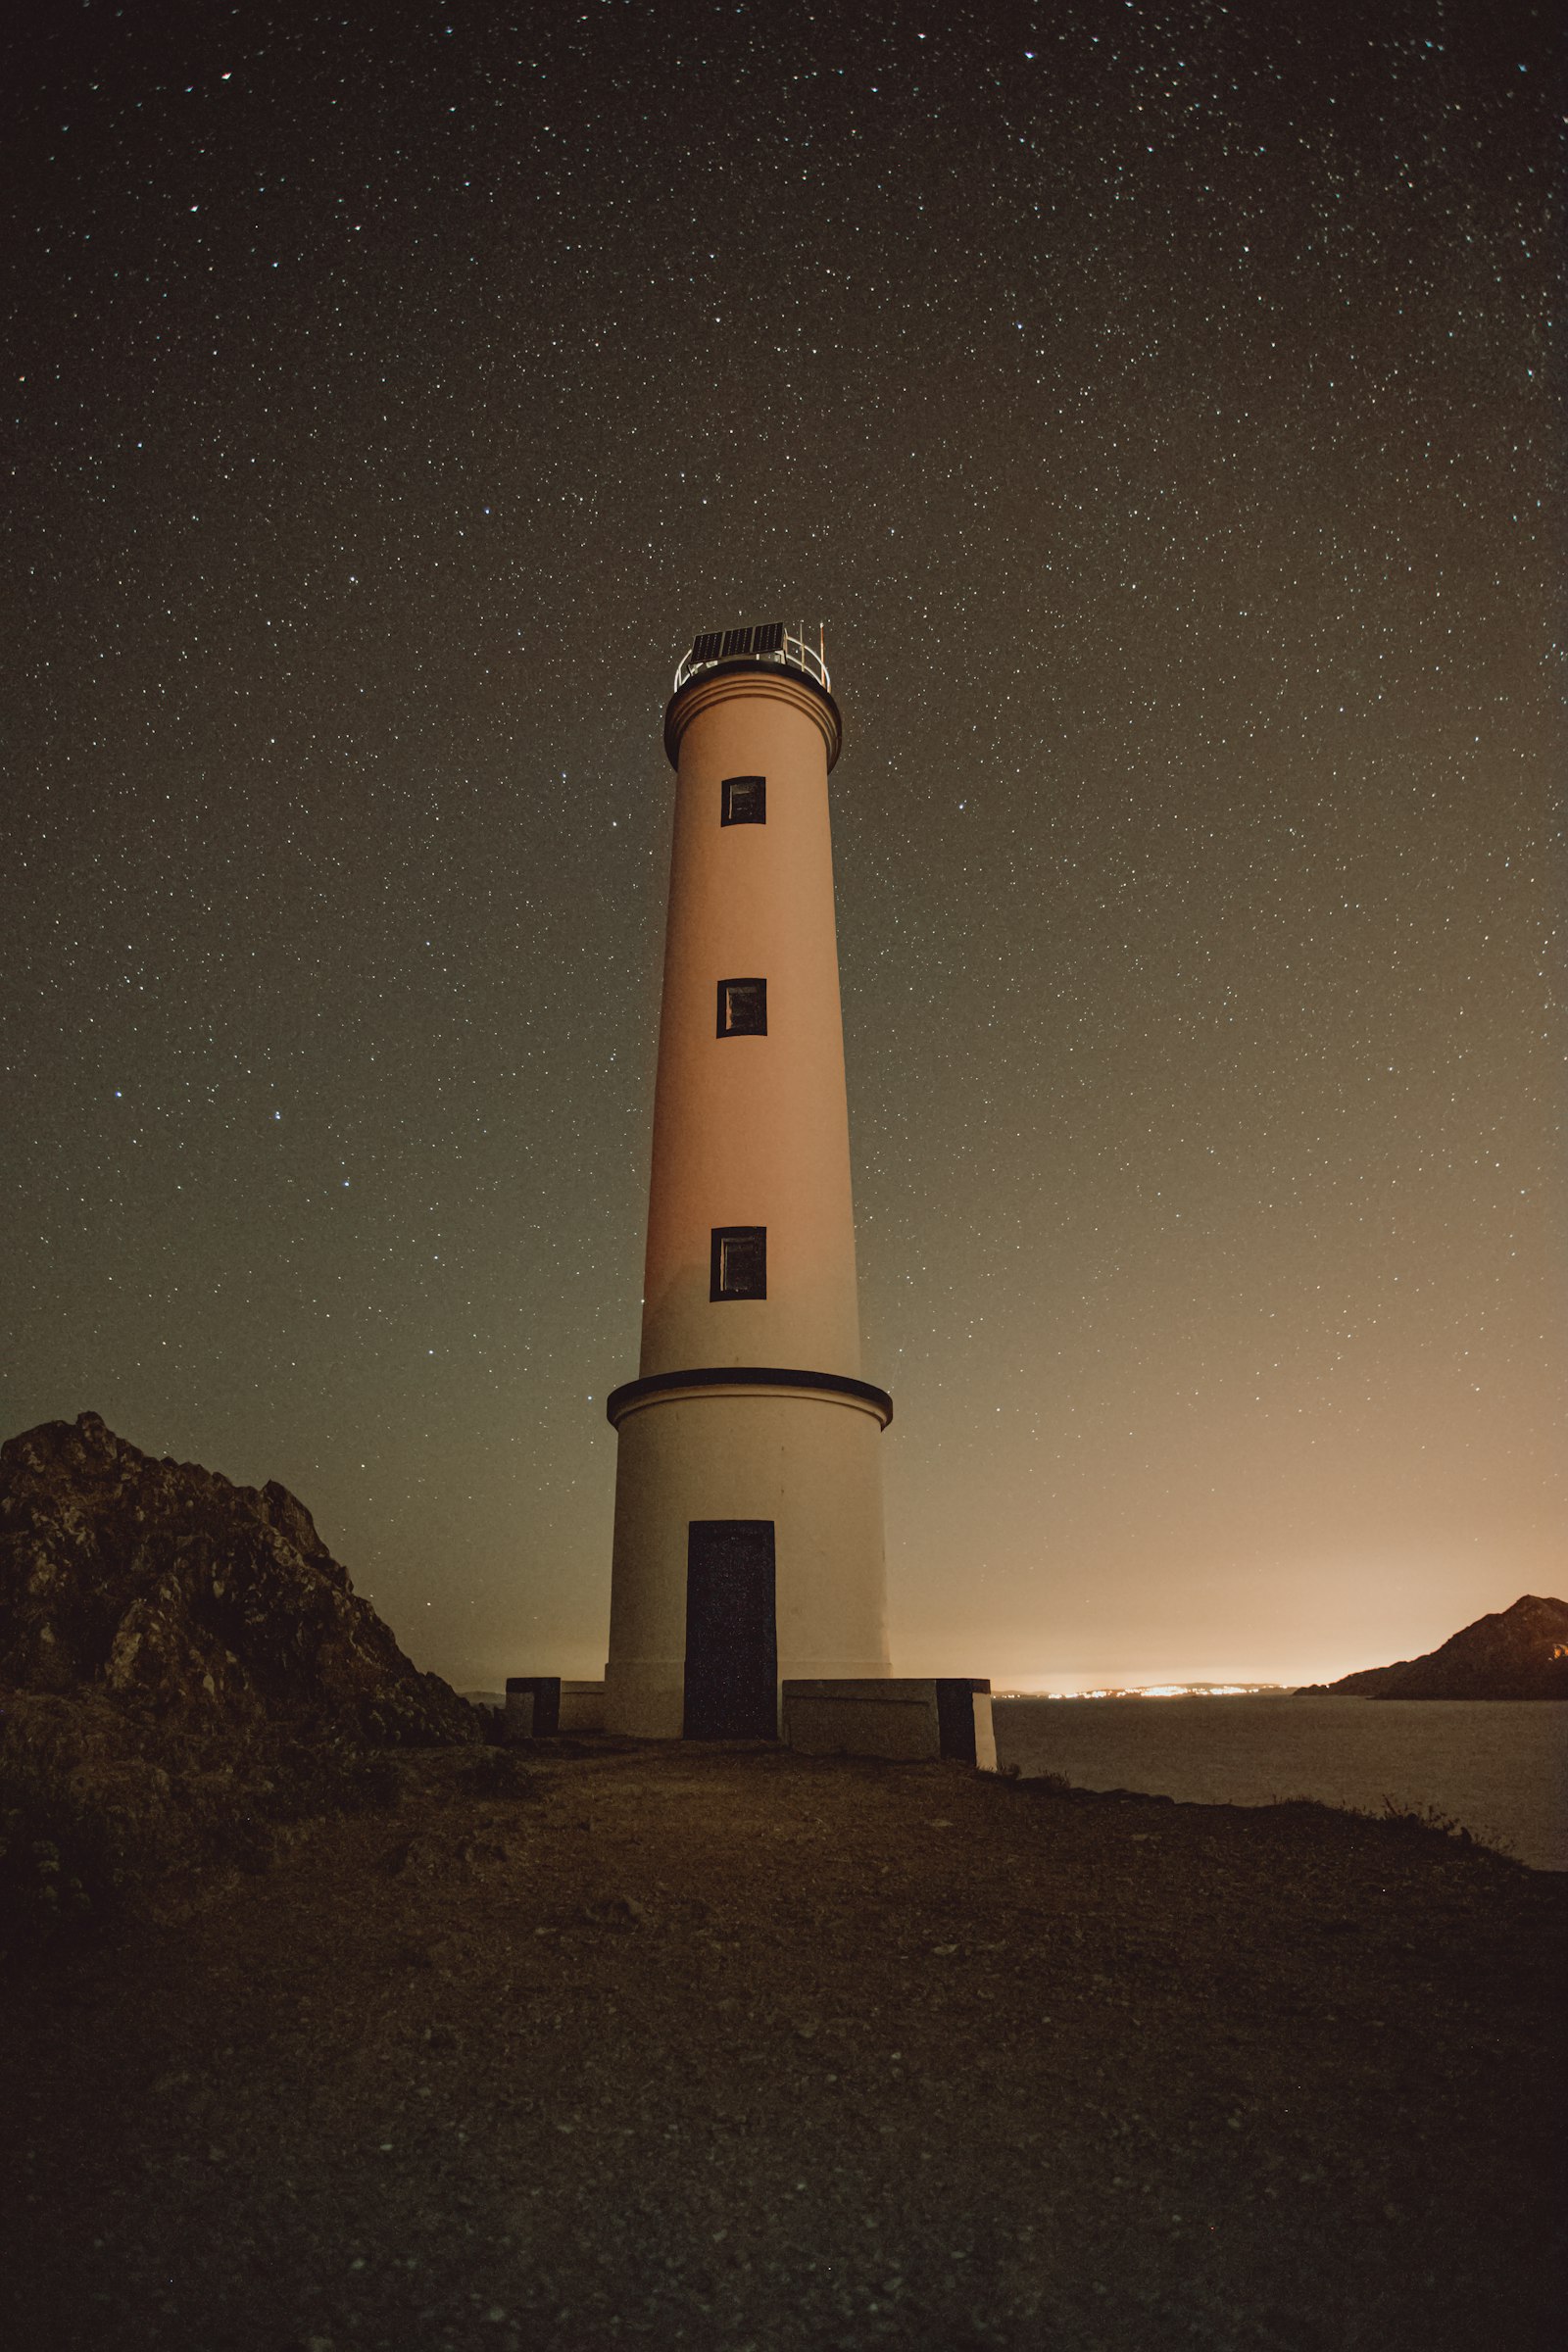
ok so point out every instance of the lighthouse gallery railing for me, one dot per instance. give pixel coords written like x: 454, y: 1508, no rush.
x: 772, y: 642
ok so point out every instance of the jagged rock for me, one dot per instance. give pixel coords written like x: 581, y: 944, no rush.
x: 1520, y: 1652
x: 169, y: 1590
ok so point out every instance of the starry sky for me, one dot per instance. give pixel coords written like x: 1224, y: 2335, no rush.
x: 1151, y: 402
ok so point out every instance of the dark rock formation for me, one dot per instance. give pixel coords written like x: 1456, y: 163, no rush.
x: 1520, y: 1652
x: 168, y: 1591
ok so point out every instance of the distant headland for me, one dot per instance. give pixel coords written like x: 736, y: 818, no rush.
x: 1520, y: 1652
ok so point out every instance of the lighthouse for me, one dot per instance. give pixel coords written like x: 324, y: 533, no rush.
x: 747, y: 1542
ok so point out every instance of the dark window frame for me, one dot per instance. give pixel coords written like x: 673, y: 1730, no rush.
x: 727, y: 813
x: 727, y: 1028
x: 720, y: 1234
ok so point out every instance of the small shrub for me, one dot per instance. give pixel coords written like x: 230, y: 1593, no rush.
x: 1417, y: 1822
x: 1425, y: 1821
x: 1422, y: 1817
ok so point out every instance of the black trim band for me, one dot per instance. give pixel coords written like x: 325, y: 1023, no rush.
x: 745, y: 1376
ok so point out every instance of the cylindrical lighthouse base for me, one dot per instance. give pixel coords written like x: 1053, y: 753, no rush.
x: 749, y: 1549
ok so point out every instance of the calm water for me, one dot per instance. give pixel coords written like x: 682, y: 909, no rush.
x: 1499, y: 1767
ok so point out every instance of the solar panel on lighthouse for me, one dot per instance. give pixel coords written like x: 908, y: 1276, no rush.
x: 733, y: 645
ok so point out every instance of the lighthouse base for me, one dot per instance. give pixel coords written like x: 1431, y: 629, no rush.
x: 747, y: 1549
x: 647, y: 1700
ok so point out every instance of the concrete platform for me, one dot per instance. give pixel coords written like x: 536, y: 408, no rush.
x: 538, y: 1704
x: 905, y: 1719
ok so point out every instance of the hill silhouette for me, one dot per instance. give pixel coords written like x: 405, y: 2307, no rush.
x: 167, y: 1589
x: 1520, y: 1652
x: 186, y: 1675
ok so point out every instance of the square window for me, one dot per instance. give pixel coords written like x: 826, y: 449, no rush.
x: 743, y: 800
x: 742, y: 1008
x: 738, y: 1269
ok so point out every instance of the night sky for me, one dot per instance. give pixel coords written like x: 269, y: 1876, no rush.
x: 1152, y: 403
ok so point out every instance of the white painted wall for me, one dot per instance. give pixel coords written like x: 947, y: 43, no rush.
x: 810, y: 1465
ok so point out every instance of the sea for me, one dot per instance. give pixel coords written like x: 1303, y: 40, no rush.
x: 1497, y: 1767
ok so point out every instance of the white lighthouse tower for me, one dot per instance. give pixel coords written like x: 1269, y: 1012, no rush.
x: 749, y: 1542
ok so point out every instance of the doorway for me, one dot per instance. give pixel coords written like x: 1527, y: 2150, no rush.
x: 731, y: 1636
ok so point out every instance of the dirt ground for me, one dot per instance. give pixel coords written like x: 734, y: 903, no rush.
x: 725, y: 2048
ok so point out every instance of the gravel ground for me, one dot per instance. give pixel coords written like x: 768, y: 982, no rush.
x: 724, y: 2047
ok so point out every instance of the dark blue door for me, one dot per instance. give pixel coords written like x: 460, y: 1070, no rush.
x: 731, y: 1636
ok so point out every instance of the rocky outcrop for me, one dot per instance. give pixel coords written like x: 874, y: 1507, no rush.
x: 1520, y: 1652
x: 171, y: 1593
